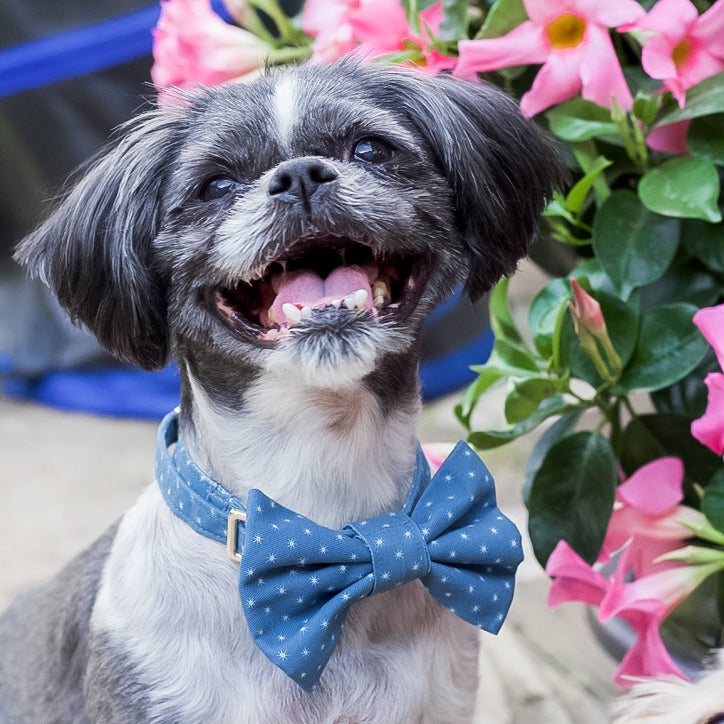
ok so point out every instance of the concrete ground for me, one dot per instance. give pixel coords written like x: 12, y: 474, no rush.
x: 67, y: 476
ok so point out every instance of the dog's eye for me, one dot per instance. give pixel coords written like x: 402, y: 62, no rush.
x: 370, y: 150
x: 217, y: 188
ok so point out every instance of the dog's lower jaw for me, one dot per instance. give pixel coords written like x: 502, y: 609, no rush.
x: 337, y: 357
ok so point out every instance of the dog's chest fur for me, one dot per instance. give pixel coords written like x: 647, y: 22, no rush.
x: 162, y: 577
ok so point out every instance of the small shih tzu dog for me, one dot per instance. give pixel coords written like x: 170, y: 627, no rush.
x: 284, y: 242
x: 671, y: 700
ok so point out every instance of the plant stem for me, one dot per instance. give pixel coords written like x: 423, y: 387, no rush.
x: 288, y: 32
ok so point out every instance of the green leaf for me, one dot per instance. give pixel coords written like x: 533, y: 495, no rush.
x: 705, y: 138
x: 622, y: 323
x: 501, y: 318
x: 703, y: 99
x: 683, y: 282
x: 487, y: 377
x: 487, y: 439
x: 682, y: 187
x: 502, y: 17
x: 687, y: 397
x: 712, y: 504
x: 572, y: 496
x: 646, y: 106
x: 577, y: 195
x: 669, y: 347
x: 705, y: 241
x: 454, y: 19
x: 580, y: 120
x: 544, y: 314
x: 525, y: 396
x: 514, y: 361
x: 560, y: 428
x: 634, y: 245
x: 649, y: 437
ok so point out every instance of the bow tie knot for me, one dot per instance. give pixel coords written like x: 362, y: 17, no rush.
x: 397, y: 549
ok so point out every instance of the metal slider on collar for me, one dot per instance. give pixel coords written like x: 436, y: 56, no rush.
x: 232, y: 533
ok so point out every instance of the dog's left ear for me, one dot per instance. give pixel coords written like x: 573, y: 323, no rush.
x: 95, y: 249
x: 501, y: 166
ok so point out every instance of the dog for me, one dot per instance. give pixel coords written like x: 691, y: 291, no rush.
x: 284, y: 241
x: 672, y: 700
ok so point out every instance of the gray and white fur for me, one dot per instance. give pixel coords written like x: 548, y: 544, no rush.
x: 167, y: 247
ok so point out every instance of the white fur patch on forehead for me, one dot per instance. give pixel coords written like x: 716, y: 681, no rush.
x: 285, y: 103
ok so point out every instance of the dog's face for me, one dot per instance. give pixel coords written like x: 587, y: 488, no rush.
x: 307, y: 222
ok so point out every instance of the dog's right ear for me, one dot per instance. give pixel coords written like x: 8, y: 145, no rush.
x: 94, y: 250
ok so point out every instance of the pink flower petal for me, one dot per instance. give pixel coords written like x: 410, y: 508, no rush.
x: 656, y: 57
x: 382, y: 22
x: 556, y: 81
x: 656, y: 595
x: 655, y: 488
x: 709, y: 29
x: 542, y: 12
x: 574, y: 579
x: 670, y: 138
x: 647, y: 656
x: 321, y: 16
x: 699, y: 64
x: 193, y: 45
x: 612, y: 13
x: 525, y: 44
x: 710, y: 320
x: 709, y: 429
x: 673, y: 18
x: 601, y: 74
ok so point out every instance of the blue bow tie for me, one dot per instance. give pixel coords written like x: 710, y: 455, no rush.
x: 297, y: 579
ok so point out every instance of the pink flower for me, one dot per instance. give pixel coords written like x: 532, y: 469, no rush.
x: 709, y: 429
x: 648, y: 517
x: 372, y: 27
x: 587, y: 311
x: 575, y: 580
x: 644, y: 603
x: 194, y: 46
x: 670, y: 138
x: 710, y: 320
x: 686, y: 47
x: 570, y: 38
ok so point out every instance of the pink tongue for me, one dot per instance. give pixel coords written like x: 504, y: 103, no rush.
x: 308, y: 289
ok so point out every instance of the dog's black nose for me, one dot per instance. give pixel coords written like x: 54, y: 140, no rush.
x: 300, y: 178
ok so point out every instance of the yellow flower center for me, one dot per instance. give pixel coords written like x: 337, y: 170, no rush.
x: 681, y: 52
x: 566, y: 31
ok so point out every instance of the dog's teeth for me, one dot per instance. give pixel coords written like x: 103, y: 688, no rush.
x: 336, y: 303
x: 306, y: 312
x: 360, y: 298
x: 380, y: 289
x: 349, y: 302
x: 379, y: 301
x: 292, y: 313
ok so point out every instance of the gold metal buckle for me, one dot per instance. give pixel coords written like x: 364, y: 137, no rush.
x: 232, y: 533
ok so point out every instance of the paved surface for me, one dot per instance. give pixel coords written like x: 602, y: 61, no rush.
x: 66, y: 477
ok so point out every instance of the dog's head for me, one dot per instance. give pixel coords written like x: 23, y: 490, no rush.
x: 308, y: 221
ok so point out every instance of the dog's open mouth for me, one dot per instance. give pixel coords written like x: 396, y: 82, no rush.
x: 338, y: 276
